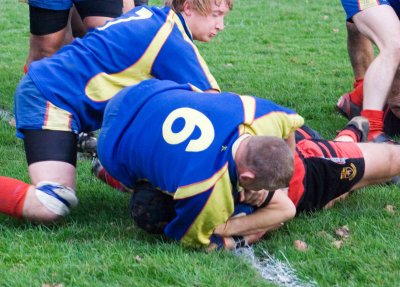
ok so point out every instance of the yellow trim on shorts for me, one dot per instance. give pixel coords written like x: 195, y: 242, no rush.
x: 365, y: 4
x: 56, y: 118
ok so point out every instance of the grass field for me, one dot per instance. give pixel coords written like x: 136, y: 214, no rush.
x: 289, y: 51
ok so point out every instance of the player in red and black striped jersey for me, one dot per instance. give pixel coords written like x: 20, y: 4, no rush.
x: 327, y: 170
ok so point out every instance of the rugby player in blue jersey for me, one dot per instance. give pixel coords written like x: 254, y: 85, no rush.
x: 324, y: 172
x: 67, y: 93
x: 199, y: 149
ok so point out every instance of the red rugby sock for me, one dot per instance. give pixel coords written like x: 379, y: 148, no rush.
x: 350, y: 133
x: 358, y: 82
x: 12, y: 196
x: 108, y: 179
x: 356, y: 96
x: 375, y: 118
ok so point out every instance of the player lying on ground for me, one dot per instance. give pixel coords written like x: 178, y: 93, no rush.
x: 67, y: 93
x: 198, y: 148
x: 324, y: 171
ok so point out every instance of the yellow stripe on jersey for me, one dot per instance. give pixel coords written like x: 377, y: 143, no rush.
x: 104, y: 86
x: 199, y: 187
x: 195, y: 89
x: 365, y: 4
x: 278, y: 124
x: 57, y: 119
x: 203, y: 64
x: 217, y: 210
x: 249, y: 108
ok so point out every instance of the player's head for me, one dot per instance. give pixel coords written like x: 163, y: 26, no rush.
x: 151, y: 209
x: 266, y: 163
x: 205, y: 18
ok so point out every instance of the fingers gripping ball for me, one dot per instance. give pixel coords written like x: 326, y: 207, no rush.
x: 56, y: 197
x: 151, y: 209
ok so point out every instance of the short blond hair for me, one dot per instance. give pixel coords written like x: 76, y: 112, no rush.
x: 202, y: 6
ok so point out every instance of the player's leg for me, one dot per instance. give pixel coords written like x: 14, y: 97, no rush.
x: 51, y: 157
x: 305, y: 132
x: 48, y: 32
x: 382, y: 26
x: 128, y: 5
x: 361, y: 54
x: 381, y: 163
x: 76, y: 24
x: 394, y: 96
x: 167, y: 3
x: 50, y: 147
x: 52, y: 192
x: 96, y: 13
x: 356, y: 130
x: 100, y: 172
x: 141, y: 2
x: 391, y: 122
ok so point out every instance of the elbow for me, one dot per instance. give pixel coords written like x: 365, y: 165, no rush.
x: 290, y: 211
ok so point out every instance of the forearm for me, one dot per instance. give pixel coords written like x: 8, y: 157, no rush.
x: 279, y: 210
x: 263, y: 220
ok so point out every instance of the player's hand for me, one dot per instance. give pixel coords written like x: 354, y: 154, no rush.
x: 252, y: 197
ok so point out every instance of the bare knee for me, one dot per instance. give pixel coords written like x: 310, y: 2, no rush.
x: 46, y: 45
x: 92, y: 22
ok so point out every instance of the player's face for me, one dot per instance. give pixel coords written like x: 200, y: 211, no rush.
x: 204, y: 28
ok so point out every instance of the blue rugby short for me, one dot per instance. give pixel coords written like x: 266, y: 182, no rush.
x: 52, y: 4
x: 50, y: 16
x: 34, y: 112
x: 352, y: 7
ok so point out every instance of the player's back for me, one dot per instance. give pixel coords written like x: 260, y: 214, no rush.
x: 83, y: 76
x: 168, y: 134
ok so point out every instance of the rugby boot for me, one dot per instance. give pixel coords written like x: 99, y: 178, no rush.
x: 347, y: 108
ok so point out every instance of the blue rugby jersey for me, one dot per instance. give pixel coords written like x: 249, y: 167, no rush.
x: 181, y: 141
x: 147, y: 42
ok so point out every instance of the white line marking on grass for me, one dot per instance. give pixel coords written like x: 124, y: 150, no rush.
x: 273, y: 270
x: 5, y: 115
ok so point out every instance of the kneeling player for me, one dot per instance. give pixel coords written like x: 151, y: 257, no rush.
x: 198, y: 148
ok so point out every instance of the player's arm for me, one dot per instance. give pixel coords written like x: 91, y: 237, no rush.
x: 280, y: 209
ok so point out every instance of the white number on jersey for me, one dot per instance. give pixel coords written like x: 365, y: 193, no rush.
x: 141, y: 14
x: 192, y: 119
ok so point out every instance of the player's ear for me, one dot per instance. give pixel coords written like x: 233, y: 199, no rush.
x: 247, y: 177
x: 187, y: 9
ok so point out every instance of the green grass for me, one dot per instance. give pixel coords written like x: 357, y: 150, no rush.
x: 289, y: 51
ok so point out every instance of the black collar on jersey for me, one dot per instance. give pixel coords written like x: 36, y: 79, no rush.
x: 184, y: 26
